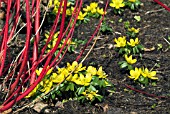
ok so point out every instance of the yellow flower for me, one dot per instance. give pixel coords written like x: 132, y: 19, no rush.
x: 130, y: 60
x: 74, y: 78
x: 81, y: 15
x: 68, y: 12
x: 54, y: 36
x: 47, y: 85
x: 84, y: 80
x: 68, y: 4
x: 133, y: 30
x: 56, y: 3
x: 32, y: 92
x: 52, y: 44
x: 101, y: 73
x: 50, y: 3
x: 149, y: 74
x: 93, y: 5
x: 40, y: 69
x: 117, y: 4
x: 87, y: 9
x: 132, y: 0
x: 92, y: 70
x: 100, y: 11
x: 75, y: 67
x: 85, y: 93
x: 91, y: 8
x: 57, y: 78
x: 120, y: 42
x: 92, y: 94
x: 133, y: 42
x: 134, y: 74
x: 68, y: 41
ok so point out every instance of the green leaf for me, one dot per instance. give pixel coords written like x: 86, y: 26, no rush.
x: 126, y: 24
x: 121, y: 62
x: 140, y: 47
x: 81, y: 90
x: 134, y: 50
x: 58, y: 93
x: 71, y: 86
x: 92, y: 88
x: 81, y: 98
x: 95, y: 80
x: 102, y: 83
x: 143, y: 80
x: 132, y: 7
x: 99, y: 97
x: 53, y: 96
x: 130, y: 67
x: 137, y: 18
x: 124, y: 65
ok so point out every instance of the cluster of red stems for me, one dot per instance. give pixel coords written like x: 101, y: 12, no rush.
x: 26, y: 74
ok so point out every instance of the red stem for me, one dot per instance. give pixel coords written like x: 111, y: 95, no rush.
x: 95, y: 32
x: 26, y: 50
x: 5, y: 38
x: 36, y: 40
x: 16, y: 19
x: 163, y: 5
x: 143, y: 92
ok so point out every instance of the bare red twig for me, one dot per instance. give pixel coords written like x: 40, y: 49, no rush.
x: 36, y: 40
x: 163, y: 5
x: 145, y: 93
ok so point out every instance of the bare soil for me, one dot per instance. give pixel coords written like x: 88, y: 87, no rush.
x: 154, y: 29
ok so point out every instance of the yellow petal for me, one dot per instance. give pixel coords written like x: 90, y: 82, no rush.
x: 153, y: 73
x: 59, y: 78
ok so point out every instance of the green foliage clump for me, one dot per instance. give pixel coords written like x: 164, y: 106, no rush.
x: 73, y: 81
x: 119, y: 5
x: 129, y: 47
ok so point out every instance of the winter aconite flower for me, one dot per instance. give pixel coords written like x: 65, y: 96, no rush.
x: 130, y: 60
x: 91, y: 8
x: 133, y: 30
x: 92, y: 70
x: 47, y: 85
x: 120, y: 42
x: 57, y: 78
x: 40, y: 69
x: 84, y: 80
x: 81, y: 15
x: 101, y: 73
x: 132, y: 0
x: 133, y: 42
x: 90, y: 94
x: 149, y: 74
x: 75, y: 67
x: 32, y: 92
x: 134, y: 74
x: 100, y: 11
x: 117, y: 4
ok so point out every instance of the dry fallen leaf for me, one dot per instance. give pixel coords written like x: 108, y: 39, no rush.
x: 149, y: 49
x: 39, y: 106
x: 6, y: 111
x: 105, y: 108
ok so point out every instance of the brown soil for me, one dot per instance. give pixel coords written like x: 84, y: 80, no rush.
x: 154, y: 27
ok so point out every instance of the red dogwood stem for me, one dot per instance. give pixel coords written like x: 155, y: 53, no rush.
x: 95, y: 32
x: 16, y: 19
x: 163, y: 5
x: 36, y: 40
x: 3, y: 47
x: 26, y: 50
